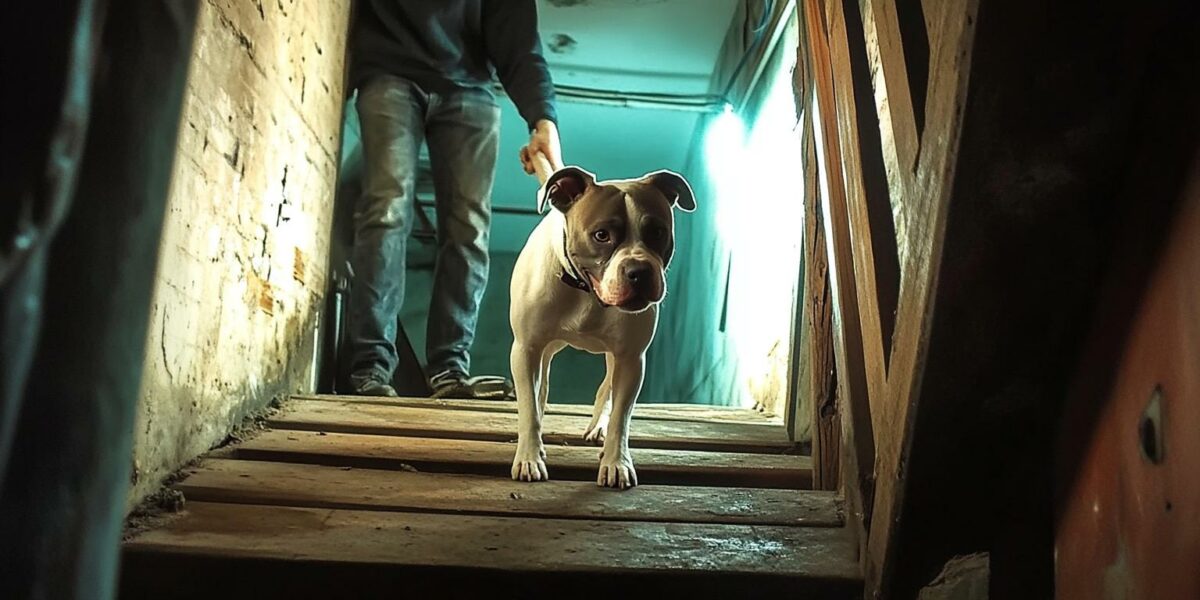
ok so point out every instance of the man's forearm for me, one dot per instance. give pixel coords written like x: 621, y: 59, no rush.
x: 516, y: 51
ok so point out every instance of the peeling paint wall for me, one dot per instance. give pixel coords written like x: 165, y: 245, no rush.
x: 245, y: 244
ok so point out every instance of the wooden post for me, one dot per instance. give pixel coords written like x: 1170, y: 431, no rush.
x: 857, y: 439
x: 818, y: 316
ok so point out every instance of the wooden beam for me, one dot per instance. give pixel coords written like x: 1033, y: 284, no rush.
x: 861, y: 252
x: 818, y: 324
x: 697, y: 413
x: 675, y: 467
x: 893, y: 98
x: 815, y: 341
x: 358, y: 417
x: 857, y: 439
x: 923, y: 225
x: 318, y: 486
x: 231, y: 550
x: 799, y: 363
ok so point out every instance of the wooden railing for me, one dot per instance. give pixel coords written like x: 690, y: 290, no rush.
x: 881, y: 84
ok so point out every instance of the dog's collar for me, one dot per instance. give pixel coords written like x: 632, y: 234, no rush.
x: 574, y: 281
x: 572, y: 278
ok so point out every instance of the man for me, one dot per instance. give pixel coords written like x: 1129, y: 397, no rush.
x: 423, y: 72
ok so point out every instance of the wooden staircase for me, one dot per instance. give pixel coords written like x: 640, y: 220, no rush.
x: 371, y: 497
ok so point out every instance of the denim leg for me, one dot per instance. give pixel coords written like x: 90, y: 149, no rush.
x: 391, y: 113
x: 463, y: 133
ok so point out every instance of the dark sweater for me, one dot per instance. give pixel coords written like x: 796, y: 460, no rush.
x: 443, y: 44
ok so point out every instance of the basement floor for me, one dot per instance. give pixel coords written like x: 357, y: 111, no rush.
x: 370, y: 497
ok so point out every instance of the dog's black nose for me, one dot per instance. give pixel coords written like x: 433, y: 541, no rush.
x: 637, y: 274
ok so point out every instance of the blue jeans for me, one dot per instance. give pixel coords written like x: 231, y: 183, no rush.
x: 462, y: 131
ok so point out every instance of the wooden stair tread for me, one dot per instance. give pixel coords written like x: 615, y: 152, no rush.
x: 315, y: 486
x: 653, y: 411
x: 655, y: 466
x: 361, y: 417
x: 212, y: 545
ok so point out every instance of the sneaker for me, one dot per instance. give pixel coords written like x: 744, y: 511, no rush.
x: 456, y: 384
x: 371, y: 384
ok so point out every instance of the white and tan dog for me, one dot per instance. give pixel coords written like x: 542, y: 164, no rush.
x: 591, y: 276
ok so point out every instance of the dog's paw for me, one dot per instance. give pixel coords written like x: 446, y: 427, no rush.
x: 597, y: 430
x: 617, y: 471
x: 530, y: 465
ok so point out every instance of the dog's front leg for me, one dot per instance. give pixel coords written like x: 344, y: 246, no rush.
x: 529, y: 464
x: 597, y: 430
x: 616, y: 464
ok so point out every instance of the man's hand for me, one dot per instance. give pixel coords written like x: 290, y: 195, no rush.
x: 544, y: 139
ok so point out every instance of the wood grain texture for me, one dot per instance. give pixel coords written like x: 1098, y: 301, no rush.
x: 818, y: 331
x: 699, y: 413
x: 856, y: 227
x: 317, y: 486
x: 926, y: 203
x: 359, y: 417
x: 343, y: 551
x: 857, y: 439
x: 655, y: 466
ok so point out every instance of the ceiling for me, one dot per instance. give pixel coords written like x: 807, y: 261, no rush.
x: 665, y: 46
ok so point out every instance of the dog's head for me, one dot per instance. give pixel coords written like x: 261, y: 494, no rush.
x: 620, y: 234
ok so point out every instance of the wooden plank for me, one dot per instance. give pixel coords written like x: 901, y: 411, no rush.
x: 360, y: 417
x: 673, y: 467
x: 800, y: 422
x: 317, y: 486
x: 857, y: 224
x: 893, y: 96
x: 817, y: 350
x: 857, y: 438
x: 654, y: 411
x: 951, y: 36
x: 246, y: 550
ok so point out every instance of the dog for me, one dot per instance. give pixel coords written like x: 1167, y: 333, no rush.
x: 591, y: 276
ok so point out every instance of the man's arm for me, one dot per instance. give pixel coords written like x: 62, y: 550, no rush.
x: 515, y: 48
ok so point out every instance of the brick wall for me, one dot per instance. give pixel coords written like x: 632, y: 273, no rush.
x: 245, y: 245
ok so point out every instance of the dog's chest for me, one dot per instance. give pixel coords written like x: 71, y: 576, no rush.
x: 587, y: 328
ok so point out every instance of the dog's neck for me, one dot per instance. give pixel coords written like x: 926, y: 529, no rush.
x: 569, y: 274
x: 558, y: 232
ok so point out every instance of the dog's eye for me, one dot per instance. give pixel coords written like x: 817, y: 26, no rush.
x: 602, y: 236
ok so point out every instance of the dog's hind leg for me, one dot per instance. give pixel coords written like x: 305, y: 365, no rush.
x: 529, y: 464
x: 598, y: 428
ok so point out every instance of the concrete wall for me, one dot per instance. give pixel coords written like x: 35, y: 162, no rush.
x: 245, y: 244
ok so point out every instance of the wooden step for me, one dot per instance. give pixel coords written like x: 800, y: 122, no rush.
x: 579, y: 463
x: 315, y: 486
x: 214, y: 550
x: 380, y: 419
x: 652, y: 411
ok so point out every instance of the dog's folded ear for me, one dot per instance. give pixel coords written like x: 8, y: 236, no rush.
x: 563, y: 188
x: 674, y: 187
